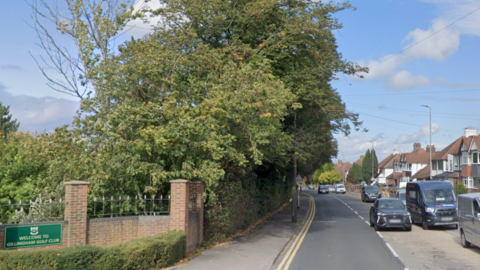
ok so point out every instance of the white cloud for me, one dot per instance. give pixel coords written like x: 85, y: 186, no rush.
x: 384, y: 67
x: 39, y: 114
x: 465, y: 14
x: 356, y: 144
x: 405, y: 80
x: 138, y: 28
x: 422, y: 135
x: 437, y: 43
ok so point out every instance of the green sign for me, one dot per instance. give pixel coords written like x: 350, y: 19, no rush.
x: 33, y: 236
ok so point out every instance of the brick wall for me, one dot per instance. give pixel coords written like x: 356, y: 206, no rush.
x: 78, y: 230
x: 110, y: 231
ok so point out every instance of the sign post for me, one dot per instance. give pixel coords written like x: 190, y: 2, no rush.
x: 33, y: 236
x: 299, y: 183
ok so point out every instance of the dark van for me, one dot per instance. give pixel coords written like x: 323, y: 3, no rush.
x: 432, y: 203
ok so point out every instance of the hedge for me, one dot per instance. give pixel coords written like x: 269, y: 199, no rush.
x: 144, y: 253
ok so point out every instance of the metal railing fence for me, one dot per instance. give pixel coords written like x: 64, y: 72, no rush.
x: 127, y: 206
x: 31, y: 212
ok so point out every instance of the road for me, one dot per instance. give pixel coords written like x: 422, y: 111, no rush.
x: 339, y: 237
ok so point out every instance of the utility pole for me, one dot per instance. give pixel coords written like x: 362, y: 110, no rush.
x: 371, y: 156
x: 294, y: 176
x: 430, y: 149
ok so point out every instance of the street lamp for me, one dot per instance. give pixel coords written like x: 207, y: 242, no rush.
x: 430, y: 150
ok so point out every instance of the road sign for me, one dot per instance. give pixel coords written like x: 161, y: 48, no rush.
x: 33, y: 236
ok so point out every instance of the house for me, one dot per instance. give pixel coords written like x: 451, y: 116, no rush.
x: 408, y: 164
x: 459, y: 161
x: 343, y: 168
x: 468, y: 160
x: 445, y: 163
x: 385, y: 169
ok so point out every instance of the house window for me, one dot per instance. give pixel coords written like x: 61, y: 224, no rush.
x: 475, y: 182
x: 475, y: 157
x: 434, y: 165
x: 464, y: 158
x: 451, y: 166
x: 468, y: 182
x: 440, y: 165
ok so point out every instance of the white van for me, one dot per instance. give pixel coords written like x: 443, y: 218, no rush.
x: 469, y: 219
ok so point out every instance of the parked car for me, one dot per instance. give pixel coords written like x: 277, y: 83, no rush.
x: 401, y: 194
x: 311, y: 187
x: 389, y: 213
x: 322, y: 189
x: 331, y: 189
x: 340, y: 188
x: 432, y: 203
x: 370, y: 193
x: 469, y: 219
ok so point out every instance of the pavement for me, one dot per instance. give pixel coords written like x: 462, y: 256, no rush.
x: 258, y: 250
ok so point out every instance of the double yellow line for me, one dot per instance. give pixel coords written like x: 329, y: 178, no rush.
x: 292, y: 250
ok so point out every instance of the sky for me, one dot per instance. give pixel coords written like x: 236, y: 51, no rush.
x: 419, y: 52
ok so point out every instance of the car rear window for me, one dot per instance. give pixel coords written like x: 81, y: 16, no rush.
x: 391, y: 204
x: 372, y: 189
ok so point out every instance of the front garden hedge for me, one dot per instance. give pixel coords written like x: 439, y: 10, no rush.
x: 140, y: 254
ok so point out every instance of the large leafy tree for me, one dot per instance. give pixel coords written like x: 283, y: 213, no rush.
x: 7, y: 124
x: 219, y: 87
x: 296, y: 36
x: 355, y: 173
x: 330, y: 177
x: 369, y: 160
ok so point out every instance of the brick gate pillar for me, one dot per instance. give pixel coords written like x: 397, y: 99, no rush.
x: 179, y: 205
x: 198, y: 191
x: 76, y: 197
x: 186, y: 210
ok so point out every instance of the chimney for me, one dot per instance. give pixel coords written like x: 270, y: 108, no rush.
x: 396, y: 152
x: 416, y: 146
x: 470, y: 132
x: 340, y: 162
x: 428, y: 148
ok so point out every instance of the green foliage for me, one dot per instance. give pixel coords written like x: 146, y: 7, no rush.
x: 369, y: 159
x: 29, y: 259
x: 144, y: 253
x: 315, y: 176
x: 327, y: 167
x: 330, y: 178
x: 217, y: 92
x: 460, y: 188
x: 237, y: 203
x: 140, y: 254
x: 356, y: 173
x: 81, y: 257
x: 7, y: 125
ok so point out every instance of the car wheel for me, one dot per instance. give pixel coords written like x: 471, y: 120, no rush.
x: 465, y: 243
x: 424, y: 225
x: 408, y: 229
x: 456, y: 226
x: 371, y: 222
